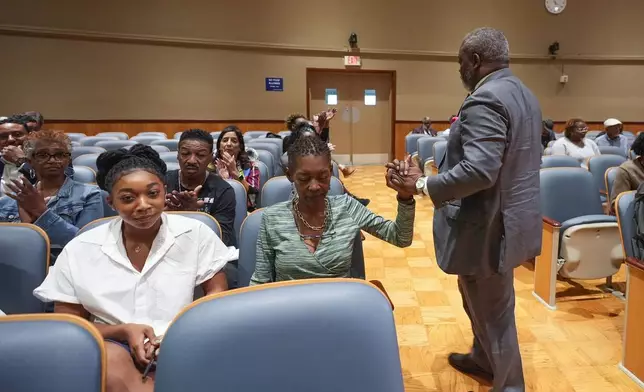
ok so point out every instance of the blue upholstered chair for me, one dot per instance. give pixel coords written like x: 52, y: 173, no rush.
x: 169, y: 156
x: 241, y: 204
x: 255, y: 134
x: 609, y: 180
x: 426, y: 148
x: 247, y: 245
x: 274, y: 149
x: 411, y: 143
x: 158, y: 135
x: 115, y: 144
x: 579, y: 241
x: 625, y: 210
x: 612, y: 151
x: 75, y: 137
x: 92, y: 140
x: 118, y: 135
x: 311, y: 335
x: 147, y: 139
x: 51, y: 352
x: 598, y: 165
x: 263, y: 178
x: 171, y: 144
x: 549, y: 161
x: 84, y: 174
x: 278, y: 189
x: 23, y: 267
x: 266, y: 157
x: 83, y: 150
x: 87, y: 160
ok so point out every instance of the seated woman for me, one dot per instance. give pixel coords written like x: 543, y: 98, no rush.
x: 312, y: 235
x: 132, y: 276
x: 574, y: 143
x: 57, y: 204
x: 236, y: 162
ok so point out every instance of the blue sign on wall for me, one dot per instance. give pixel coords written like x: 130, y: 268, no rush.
x: 274, y: 84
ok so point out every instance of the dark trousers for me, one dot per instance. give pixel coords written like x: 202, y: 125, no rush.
x: 489, y: 303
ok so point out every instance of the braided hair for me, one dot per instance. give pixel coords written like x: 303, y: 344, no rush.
x: 112, y: 165
x: 307, y: 146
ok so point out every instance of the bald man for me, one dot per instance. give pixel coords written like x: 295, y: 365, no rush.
x: 425, y: 128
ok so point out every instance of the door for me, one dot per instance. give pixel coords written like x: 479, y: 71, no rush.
x: 361, y: 131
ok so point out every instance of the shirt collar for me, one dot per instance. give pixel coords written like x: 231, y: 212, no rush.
x: 111, y: 242
x: 486, y: 77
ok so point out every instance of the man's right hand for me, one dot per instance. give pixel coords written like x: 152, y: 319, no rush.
x: 13, y: 154
x: 136, y: 335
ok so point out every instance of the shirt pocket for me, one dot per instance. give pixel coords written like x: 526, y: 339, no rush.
x: 69, y: 212
x: 173, y: 289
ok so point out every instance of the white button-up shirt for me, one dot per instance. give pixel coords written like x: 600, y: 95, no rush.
x: 93, y: 270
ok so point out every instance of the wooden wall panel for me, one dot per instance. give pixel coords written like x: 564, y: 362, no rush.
x: 170, y: 127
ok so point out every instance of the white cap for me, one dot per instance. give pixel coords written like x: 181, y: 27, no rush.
x: 611, y: 121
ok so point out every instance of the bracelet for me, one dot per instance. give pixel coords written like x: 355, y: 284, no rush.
x: 241, y: 178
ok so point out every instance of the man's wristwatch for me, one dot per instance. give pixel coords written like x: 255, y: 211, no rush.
x: 421, y: 186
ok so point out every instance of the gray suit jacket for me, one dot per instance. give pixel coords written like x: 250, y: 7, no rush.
x: 488, y: 215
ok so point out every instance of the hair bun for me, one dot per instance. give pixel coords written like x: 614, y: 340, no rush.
x: 107, y: 160
x: 149, y: 153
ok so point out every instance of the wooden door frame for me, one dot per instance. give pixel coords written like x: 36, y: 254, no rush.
x: 391, y: 73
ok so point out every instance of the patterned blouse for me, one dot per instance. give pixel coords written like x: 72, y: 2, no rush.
x: 283, y: 255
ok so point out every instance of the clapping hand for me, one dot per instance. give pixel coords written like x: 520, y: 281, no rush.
x: 31, y: 203
x: 226, y: 165
x: 184, y: 200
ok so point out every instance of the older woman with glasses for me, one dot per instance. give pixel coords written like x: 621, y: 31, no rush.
x: 574, y: 142
x: 57, y: 204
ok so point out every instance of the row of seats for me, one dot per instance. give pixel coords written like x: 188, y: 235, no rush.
x: 246, y: 329
x: 25, y: 248
x: 77, y: 137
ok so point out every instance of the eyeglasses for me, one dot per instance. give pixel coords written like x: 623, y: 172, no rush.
x: 582, y: 129
x: 59, y: 156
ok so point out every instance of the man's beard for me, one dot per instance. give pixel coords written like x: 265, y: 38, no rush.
x: 467, y: 77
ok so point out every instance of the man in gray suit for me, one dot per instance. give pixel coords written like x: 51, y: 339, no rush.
x: 487, y: 219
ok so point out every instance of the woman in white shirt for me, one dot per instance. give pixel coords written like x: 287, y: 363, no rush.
x: 132, y: 276
x: 574, y: 142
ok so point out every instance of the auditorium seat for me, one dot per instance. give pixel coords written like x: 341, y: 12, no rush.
x: 316, y: 335
x: 84, y: 174
x: 51, y: 352
x: 550, y: 161
x: 241, y: 204
x: 215, y: 136
x: 88, y: 160
x: 247, y: 244
x: 426, y: 147
x: 92, y: 140
x: 335, y: 170
x: 411, y: 143
x: 284, y: 134
x: 263, y: 140
x: 592, y: 135
x: 75, y: 144
x: 158, y: 135
x: 263, y: 178
x: 625, y: 211
x: 84, y: 150
x: 278, y: 189
x: 609, y: 180
x: 255, y: 134
x: 111, y: 145
x: 25, y: 251
x: 118, y: 135
x: 439, y: 149
x: 274, y: 149
x: 169, y: 156
x: 75, y: 137
x: 606, y: 150
x: 579, y: 241
x: 146, y: 139
x: 598, y: 165
x: 171, y: 144
x: 108, y: 211
x: 267, y: 158
x: 156, y: 148
x: 177, y: 135
x: 172, y: 166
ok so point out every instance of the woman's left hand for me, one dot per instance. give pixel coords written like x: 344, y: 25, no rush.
x: 230, y: 162
x: 28, y: 197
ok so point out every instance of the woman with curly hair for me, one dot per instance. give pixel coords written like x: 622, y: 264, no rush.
x: 133, y: 275
x: 57, y: 203
x: 236, y: 162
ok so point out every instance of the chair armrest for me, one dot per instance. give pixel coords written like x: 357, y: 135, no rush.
x: 551, y: 222
x: 587, y: 220
x: 635, y: 262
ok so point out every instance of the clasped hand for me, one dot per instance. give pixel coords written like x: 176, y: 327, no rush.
x: 184, y: 200
x: 402, y: 176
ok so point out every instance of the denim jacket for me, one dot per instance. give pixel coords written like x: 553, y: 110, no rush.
x: 75, y: 205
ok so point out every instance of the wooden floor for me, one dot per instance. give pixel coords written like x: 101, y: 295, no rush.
x: 575, y: 348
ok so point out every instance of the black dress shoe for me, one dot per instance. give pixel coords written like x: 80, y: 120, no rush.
x: 364, y: 202
x: 464, y: 364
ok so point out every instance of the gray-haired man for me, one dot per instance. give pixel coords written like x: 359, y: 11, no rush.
x: 487, y: 219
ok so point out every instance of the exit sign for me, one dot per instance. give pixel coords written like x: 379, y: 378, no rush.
x: 352, y: 61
